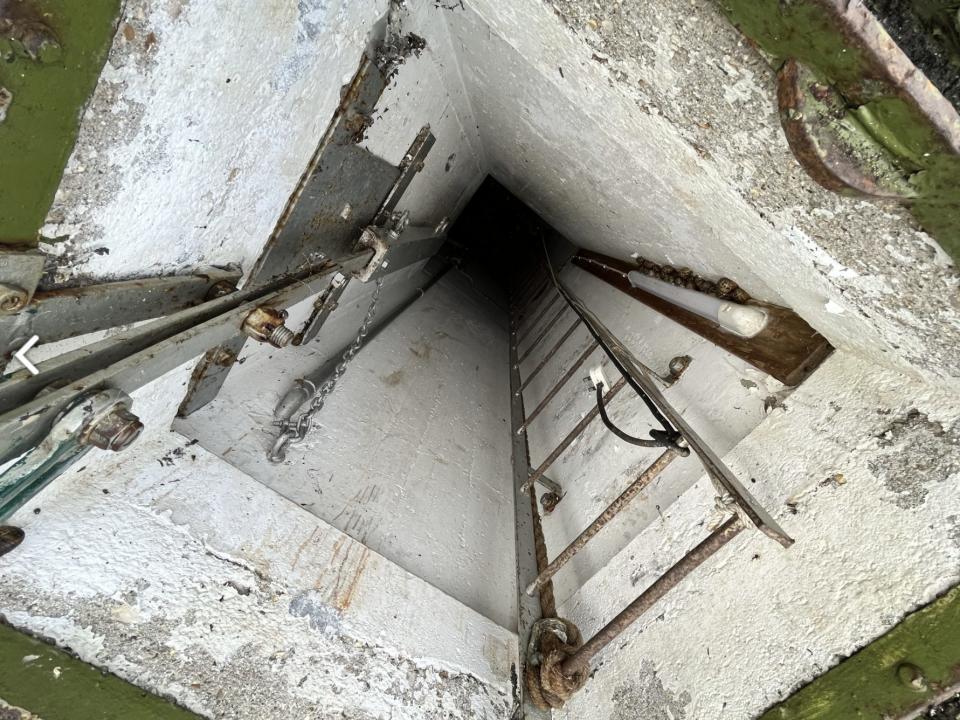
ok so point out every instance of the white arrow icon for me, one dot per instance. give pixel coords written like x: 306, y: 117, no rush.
x: 21, y: 355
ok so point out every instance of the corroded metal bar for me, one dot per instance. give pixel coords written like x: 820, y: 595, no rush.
x: 529, y: 541
x: 543, y: 333
x: 575, y: 433
x: 548, y: 602
x: 538, y: 318
x: 560, y: 383
x: 551, y: 352
x: 530, y: 304
x: 533, y: 290
x: 604, y: 518
x: 649, y: 597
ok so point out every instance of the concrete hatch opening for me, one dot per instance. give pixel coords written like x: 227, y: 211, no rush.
x: 480, y: 359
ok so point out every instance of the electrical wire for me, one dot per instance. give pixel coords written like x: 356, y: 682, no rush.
x: 669, y: 436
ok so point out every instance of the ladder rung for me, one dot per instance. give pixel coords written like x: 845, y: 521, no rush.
x: 614, y: 509
x: 575, y: 433
x: 551, y: 353
x: 560, y: 383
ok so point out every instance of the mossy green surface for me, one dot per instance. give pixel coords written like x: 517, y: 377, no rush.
x: 804, y: 30
x: 43, y: 120
x: 868, y: 686
x: 56, y: 686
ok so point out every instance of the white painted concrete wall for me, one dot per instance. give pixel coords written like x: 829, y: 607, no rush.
x: 721, y: 396
x: 165, y: 564
x: 181, y: 574
x: 642, y: 144
x: 407, y: 454
x: 652, y: 128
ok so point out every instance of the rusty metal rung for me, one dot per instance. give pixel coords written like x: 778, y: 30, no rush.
x: 551, y: 353
x: 560, y: 383
x: 603, y: 519
x: 577, y: 430
x: 664, y: 584
x: 521, y: 334
x: 543, y: 333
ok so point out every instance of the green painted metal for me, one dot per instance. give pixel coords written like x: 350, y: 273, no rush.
x: 56, y: 686
x: 805, y: 31
x: 900, y: 672
x: 44, y: 118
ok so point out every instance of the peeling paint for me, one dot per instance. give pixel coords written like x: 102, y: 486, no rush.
x: 647, y: 699
x: 919, y: 452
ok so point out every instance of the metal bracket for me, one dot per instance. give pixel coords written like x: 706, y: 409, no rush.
x: 29, y: 404
x: 99, y: 419
x: 343, y: 190
x: 55, y: 315
x: 20, y: 272
x: 322, y: 308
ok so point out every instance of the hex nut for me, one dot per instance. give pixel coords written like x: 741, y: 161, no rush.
x: 12, y: 298
x: 220, y: 289
x: 115, y: 431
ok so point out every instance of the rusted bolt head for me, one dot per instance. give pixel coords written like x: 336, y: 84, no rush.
x: 116, y: 430
x: 549, y: 502
x: 678, y: 365
x: 265, y: 324
x: 220, y: 289
x: 911, y: 676
x: 12, y: 298
x: 10, y: 537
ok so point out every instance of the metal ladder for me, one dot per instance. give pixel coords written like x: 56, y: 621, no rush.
x: 538, y: 298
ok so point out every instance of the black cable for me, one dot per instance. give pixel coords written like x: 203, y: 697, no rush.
x: 617, y: 431
x: 669, y: 432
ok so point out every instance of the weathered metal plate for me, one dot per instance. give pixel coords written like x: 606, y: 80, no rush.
x: 787, y: 349
x: 60, y: 314
x: 344, y: 189
x: 340, y: 199
x: 914, y: 667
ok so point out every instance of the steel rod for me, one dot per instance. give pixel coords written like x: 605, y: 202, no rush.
x: 543, y: 333
x: 603, y: 519
x: 530, y: 304
x: 575, y: 433
x: 530, y: 546
x: 551, y: 353
x: 560, y: 383
x: 649, y: 597
x: 533, y: 323
x: 529, y: 295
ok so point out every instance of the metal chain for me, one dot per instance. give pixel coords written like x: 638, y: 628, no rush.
x: 295, y: 430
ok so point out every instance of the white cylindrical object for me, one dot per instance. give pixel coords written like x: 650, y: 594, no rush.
x: 743, y: 320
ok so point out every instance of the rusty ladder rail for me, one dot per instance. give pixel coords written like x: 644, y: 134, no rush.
x: 542, y: 583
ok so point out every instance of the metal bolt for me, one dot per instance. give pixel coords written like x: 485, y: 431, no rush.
x: 12, y: 298
x: 678, y: 366
x: 10, y: 538
x: 265, y: 324
x: 549, y: 502
x: 220, y: 289
x: 442, y: 226
x: 115, y: 431
x: 911, y: 676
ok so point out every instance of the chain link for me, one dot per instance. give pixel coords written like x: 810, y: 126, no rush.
x: 295, y: 430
